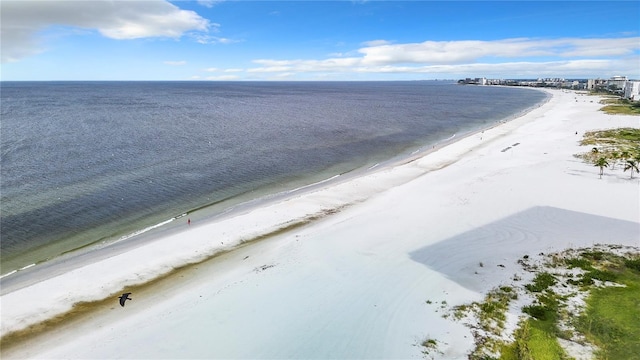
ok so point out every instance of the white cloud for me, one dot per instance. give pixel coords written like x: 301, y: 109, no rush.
x: 227, y: 40
x: 22, y: 20
x: 209, y: 3
x: 175, y: 63
x: 209, y: 39
x: 376, y: 43
x: 534, y: 68
x: 603, y: 47
x: 332, y: 64
x: 515, y: 57
x: 284, y: 76
x: 447, y: 52
x: 223, y: 77
x: 522, y: 69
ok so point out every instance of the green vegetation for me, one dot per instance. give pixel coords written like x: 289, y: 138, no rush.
x: 633, y: 264
x: 611, y: 317
x: 610, y: 284
x: 581, y: 263
x: 591, y: 273
x: 536, y: 338
x: 430, y: 346
x: 620, y: 106
x: 533, y: 343
x: 601, y: 163
x: 632, y: 165
x: 623, y: 139
x: 612, y: 146
x: 541, y: 282
x: 491, y: 316
x: 609, y: 321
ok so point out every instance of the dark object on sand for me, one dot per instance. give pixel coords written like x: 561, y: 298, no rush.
x: 124, y: 297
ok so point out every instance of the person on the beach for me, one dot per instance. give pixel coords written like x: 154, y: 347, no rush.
x: 189, y: 221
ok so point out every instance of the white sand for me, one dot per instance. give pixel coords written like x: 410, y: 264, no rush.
x: 353, y: 284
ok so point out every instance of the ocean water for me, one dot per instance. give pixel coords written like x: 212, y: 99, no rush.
x: 88, y: 162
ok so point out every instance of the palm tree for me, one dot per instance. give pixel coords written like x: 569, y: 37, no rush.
x: 601, y: 162
x: 632, y: 165
x: 625, y: 155
x: 614, y: 157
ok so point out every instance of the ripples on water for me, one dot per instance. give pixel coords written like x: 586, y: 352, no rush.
x: 85, y: 161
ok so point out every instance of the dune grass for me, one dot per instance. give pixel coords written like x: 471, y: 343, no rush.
x: 533, y: 342
x: 612, y: 140
x: 490, y: 318
x: 609, y: 320
x: 622, y: 137
x: 621, y: 106
x: 613, y: 145
x: 537, y: 336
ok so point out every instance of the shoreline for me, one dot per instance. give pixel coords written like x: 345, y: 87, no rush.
x: 354, y: 198
x: 222, y: 207
x: 240, y: 204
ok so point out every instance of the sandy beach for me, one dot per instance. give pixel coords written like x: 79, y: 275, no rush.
x: 345, y: 269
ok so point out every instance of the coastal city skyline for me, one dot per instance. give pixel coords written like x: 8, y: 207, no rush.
x: 310, y: 40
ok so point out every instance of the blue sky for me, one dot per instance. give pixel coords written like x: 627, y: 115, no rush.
x: 313, y: 40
